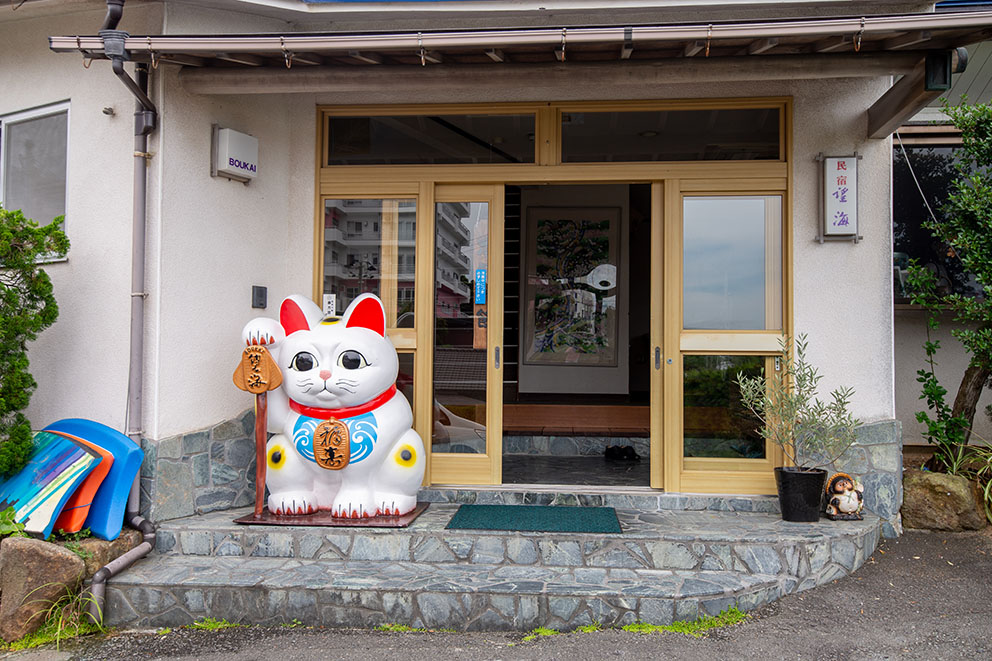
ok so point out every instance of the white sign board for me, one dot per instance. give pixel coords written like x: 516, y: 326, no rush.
x: 840, y: 188
x: 237, y: 155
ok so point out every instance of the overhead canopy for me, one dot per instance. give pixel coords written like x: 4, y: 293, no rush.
x: 866, y: 35
x: 698, y: 52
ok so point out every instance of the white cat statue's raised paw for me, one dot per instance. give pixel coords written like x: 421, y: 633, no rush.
x: 343, y: 438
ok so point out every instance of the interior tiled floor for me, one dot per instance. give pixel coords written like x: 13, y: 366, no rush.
x: 595, y: 470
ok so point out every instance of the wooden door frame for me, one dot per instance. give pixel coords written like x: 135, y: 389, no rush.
x: 463, y: 468
x: 669, y: 181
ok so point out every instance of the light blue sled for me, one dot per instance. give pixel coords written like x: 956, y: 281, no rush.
x: 106, y: 517
x: 39, y: 491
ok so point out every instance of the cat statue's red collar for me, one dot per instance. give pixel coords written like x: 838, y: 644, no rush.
x: 346, y: 412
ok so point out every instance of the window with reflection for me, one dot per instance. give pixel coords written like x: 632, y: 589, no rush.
x: 935, y: 169
x: 712, y: 134
x: 461, y: 261
x: 715, y: 422
x: 369, y: 247
x: 732, y: 262
x: 430, y: 139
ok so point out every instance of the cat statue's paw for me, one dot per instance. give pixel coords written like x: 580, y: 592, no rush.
x: 262, y: 331
x: 354, y: 504
x: 292, y: 503
x: 395, y: 504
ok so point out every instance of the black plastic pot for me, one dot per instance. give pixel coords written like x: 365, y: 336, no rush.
x: 800, y: 493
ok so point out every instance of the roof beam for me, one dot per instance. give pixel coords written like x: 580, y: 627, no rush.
x: 904, y: 99
x: 907, y: 40
x: 243, y: 58
x: 365, y: 58
x: 832, y: 44
x: 692, y: 48
x: 308, y: 58
x: 184, y: 60
x: 761, y: 45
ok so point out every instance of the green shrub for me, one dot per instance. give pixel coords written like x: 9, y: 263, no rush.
x: 27, y: 306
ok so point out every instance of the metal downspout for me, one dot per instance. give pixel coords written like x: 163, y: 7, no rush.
x: 145, y: 120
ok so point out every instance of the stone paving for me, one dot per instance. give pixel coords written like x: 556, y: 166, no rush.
x: 665, y: 566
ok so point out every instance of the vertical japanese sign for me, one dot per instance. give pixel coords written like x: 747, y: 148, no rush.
x: 480, y: 311
x: 840, y: 188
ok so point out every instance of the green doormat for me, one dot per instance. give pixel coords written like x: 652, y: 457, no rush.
x: 537, y: 518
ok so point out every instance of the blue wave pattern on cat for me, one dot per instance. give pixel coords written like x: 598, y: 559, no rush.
x: 363, y: 430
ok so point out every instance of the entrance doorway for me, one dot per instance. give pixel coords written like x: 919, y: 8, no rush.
x: 629, y: 307
x: 576, y: 332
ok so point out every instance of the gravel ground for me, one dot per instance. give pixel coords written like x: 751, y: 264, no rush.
x: 922, y: 596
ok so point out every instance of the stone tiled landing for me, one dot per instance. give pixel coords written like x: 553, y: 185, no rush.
x: 666, y: 565
x: 175, y: 590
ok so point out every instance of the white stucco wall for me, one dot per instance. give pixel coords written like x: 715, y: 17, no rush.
x: 81, y: 362
x: 211, y: 239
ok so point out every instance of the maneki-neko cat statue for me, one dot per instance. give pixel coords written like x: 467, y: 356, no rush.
x: 343, y: 439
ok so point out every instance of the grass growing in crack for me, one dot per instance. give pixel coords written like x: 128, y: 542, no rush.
x: 210, y: 624
x: 164, y: 631
x: 71, y: 541
x: 66, y: 618
x: 590, y: 628
x: 397, y: 628
x: 541, y: 632
x: 696, y: 629
x: 292, y: 624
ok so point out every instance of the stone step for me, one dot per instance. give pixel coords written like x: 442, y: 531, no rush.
x: 173, y: 590
x: 745, y: 542
x: 626, y: 497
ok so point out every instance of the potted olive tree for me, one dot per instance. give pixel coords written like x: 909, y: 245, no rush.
x: 812, y: 433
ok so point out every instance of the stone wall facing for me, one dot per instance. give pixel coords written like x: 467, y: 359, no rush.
x: 199, y: 472
x: 214, y: 469
x: 876, y: 460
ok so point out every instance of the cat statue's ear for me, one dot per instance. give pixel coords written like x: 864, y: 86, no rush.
x: 298, y: 313
x: 366, y: 311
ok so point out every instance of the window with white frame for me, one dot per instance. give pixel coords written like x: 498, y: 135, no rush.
x: 33, y: 157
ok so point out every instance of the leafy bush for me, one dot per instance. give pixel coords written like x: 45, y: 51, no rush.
x: 964, y: 227
x: 812, y: 433
x: 27, y: 306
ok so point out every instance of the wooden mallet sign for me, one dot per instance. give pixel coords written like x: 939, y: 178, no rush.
x: 258, y: 374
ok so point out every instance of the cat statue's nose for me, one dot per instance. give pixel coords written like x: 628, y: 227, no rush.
x: 325, y: 374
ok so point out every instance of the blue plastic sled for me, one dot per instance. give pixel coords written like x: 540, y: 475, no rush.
x: 106, y: 517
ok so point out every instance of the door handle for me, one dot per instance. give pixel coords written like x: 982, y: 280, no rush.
x: 657, y: 358
x: 496, y: 354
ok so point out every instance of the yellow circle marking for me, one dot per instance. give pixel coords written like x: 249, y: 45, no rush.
x: 273, y: 461
x: 406, y: 456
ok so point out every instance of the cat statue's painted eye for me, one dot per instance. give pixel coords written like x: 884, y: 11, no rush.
x: 352, y: 360
x: 303, y: 362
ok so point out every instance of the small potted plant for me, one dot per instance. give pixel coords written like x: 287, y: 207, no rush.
x: 811, y: 432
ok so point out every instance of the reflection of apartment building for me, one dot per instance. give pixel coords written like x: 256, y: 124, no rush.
x: 581, y: 304
x: 352, y: 257
x: 452, y: 265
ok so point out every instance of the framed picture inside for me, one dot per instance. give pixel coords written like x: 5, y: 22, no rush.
x: 572, y: 263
